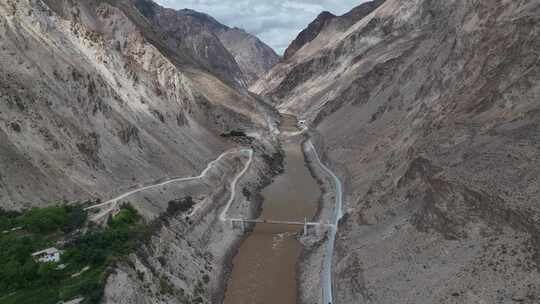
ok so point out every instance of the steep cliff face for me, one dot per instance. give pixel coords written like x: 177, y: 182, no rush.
x: 96, y: 98
x: 93, y: 100
x: 253, y: 56
x: 194, y: 33
x: 428, y: 109
x: 237, y: 56
x: 327, y: 19
x: 359, y: 12
x: 308, y: 34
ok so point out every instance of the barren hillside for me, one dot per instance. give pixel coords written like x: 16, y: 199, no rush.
x: 93, y: 101
x: 238, y: 57
x: 428, y: 109
x: 97, y: 98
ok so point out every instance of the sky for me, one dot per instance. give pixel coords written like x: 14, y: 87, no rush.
x: 276, y: 22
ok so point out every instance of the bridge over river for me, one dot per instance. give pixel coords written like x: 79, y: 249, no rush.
x: 305, y: 223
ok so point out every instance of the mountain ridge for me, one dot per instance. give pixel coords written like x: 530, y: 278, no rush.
x: 325, y: 19
x: 235, y: 54
x: 96, y: 100
x: 109, y: 94
x: 426, y: 109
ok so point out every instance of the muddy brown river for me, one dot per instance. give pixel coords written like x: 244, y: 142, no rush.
x: 264, y: 270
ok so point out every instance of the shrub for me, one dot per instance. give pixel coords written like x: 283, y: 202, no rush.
x: 234, y: 133
x: 8, y: 219
x: 52, y: 219
x: 164, y: 286
x: 22, y: 280
x: 180, y: 205
x: 127, y: 216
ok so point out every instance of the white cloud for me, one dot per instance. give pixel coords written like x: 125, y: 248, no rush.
x: 312, y: 8
x: 276, y: 22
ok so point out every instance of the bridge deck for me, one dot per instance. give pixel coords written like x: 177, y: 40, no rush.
x: 264, y: 221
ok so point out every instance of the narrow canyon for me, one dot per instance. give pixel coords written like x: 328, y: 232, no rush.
x: 150, y: 155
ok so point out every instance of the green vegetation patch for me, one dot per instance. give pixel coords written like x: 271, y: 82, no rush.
x: 88, y: 253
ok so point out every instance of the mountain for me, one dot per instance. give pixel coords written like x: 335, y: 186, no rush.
x: 253, y: 56
x: 326, y: 19
x: 308, y: 34
x: 232, y: 53
x: 193, y: 33
x: 429, y: 111
x: 94, y: 98
x: 100, y: 97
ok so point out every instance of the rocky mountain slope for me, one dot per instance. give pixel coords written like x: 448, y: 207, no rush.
x: 253, y: 56
x: 428, y: 109
x: 235, y: 55
x: 308, y: 34
x: 327, y: 19
x: 93, y: 101
x: 96, y: 98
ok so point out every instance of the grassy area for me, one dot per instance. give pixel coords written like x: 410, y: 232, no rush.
x: 23, y: 280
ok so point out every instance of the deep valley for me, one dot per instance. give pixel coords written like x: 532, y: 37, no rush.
x: 151, y: 155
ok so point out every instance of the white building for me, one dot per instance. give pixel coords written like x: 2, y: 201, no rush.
x: 48, y: 255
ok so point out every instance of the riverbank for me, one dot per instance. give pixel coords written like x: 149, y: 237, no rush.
x: 275, y: 165
x: 265, y: 267
x: 188, y: 256
x: 315, y: 266
x: 310, y: 264
x: 264, y: 256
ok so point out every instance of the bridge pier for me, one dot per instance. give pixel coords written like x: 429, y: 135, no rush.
x: 235, y: 224
x: 320, y: 230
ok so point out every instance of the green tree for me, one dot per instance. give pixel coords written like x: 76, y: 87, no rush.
x: 45, y: 220
x: 48, y: 273
x: 29, y: 271
x: 10, y: 274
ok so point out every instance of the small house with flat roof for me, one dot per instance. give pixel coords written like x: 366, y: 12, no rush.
x: 48, y: 255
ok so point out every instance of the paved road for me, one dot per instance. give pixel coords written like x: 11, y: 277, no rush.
x: 327, y: 264
x: 329, y: 249
x: 114, y: 201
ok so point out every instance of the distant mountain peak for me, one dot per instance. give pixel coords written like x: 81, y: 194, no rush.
x: 324, y: 19
x: 308, y: 34
x: 325, y: 15
x: 201, y: 16
x: 232, y: 53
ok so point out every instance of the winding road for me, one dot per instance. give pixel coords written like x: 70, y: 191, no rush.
x: 329, y: 249
x: 114, y: 201
x: 223, y: 215
x: 337, y: 214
